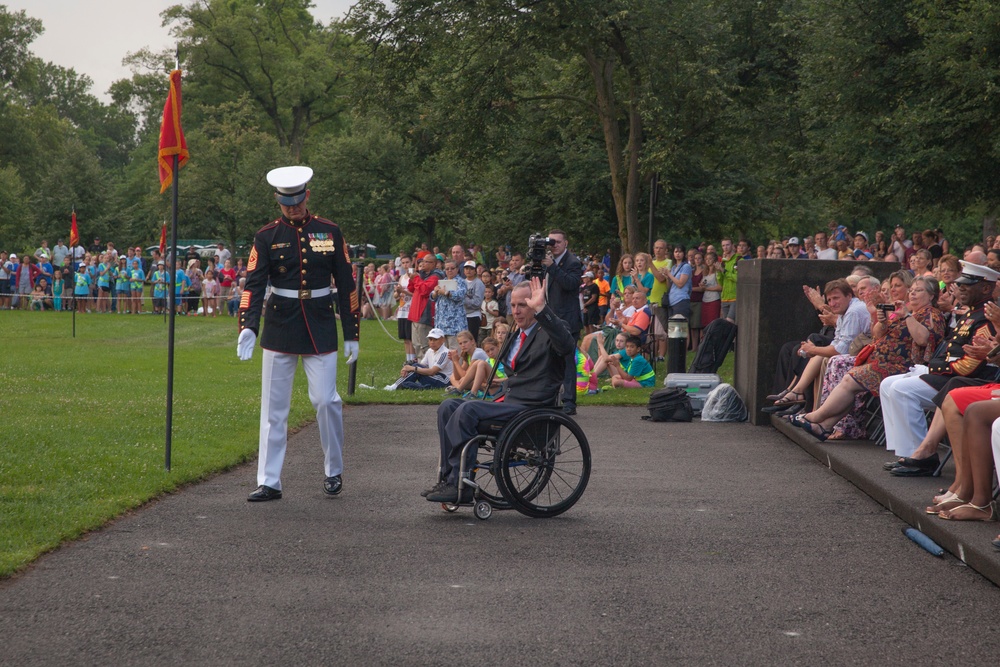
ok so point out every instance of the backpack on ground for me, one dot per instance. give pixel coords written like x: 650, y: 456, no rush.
x: 669, y: 405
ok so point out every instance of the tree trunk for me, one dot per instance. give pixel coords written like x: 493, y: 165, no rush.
x: 623, y: 161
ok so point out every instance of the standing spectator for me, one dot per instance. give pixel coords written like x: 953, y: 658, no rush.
x: 564, y: 273
x: 81, y: 289
x: 591, y: 311
x: 195, y: 277
x: 112, y: 253
x: 222, y: 254
x: 43, y: 253
x: 711, y: 302
x: 104, y: 270
x: 59, y: 254
x: 24, y: 280
x: 661, y: 276
x: 449, y: 309
x: 514, y: 276
x: 159, y: 279
x: 824, y: 251
x: 5, y: 276
x: 679, y: 296
x: 123, y: 294
x: 604, y: 290
x: 475, y: 290
x: 58, y: 286
x: 490, y: 310
x: 210, y: 294
x: 136, y: 278
x: 642, y: 279
x: 727, y: 274
x: 795, y: 249
x: 458, y: 256
x: 96, y: 247
x: 181, y: 286
x: 861, y: 252
x: 235, y: 295
x: 78, y: 253
x: 404, y: 328
x: 503, y: 257
x: 421, y: 285
x: 623, y: 275
x: 383, y: 291
x: 900, y: 245
x: 227, y: 277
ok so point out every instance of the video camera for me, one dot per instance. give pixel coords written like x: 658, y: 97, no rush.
x: 538, y: 248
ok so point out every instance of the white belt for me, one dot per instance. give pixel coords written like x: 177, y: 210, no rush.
x: 300, y: 294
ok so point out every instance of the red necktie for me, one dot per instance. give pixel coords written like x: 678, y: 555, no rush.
x: 520, y: 347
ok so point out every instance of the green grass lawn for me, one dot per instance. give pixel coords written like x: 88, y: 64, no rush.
x: 84, y: 417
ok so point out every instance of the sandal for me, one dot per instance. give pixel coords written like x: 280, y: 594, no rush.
x: 823, y: 435
x: 798, y: 419
x: 791, y: 398
x: 777, y: 397
x: 945, y: 496
x: 969, y: 513
x: 944, y: 505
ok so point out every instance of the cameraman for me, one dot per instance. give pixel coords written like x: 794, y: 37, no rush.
x: 564, y: 273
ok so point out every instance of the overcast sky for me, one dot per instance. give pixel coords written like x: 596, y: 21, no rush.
x: 93, y: 36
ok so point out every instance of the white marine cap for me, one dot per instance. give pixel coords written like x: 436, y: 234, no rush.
x: 290, y: 183
x: 975, y: 273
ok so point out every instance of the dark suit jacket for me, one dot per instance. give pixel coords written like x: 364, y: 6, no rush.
x: 564, y: 290
x: 537, y: 376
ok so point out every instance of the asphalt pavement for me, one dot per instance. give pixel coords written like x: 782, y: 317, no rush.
x: 694, y: 544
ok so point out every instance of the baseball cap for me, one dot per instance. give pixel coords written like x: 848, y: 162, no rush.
x: 435, y: 333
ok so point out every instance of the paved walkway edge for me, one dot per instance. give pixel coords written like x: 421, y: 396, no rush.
x: 859, y: 462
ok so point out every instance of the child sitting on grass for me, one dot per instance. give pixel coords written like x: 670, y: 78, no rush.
x: 628, y: 368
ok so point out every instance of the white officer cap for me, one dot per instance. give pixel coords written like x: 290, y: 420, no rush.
x: 975, y: 273
x: 290, y: 183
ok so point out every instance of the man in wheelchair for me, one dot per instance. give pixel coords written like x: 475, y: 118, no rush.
x: 535, y: 358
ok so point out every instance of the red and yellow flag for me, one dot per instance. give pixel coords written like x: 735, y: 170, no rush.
x: 74, y: 233
x: 172, y: 140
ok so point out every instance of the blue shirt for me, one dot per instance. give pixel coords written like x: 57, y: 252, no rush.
x: 678, y: 294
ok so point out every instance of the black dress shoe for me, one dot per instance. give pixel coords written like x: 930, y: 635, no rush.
x: 449, y: 494
x: 930, y: 463
x: 440, y: 486
x: 891, y: 465
x: 569, y: 409
x: 333, y: 486
x: 906, y: 471
x: 264, y: 493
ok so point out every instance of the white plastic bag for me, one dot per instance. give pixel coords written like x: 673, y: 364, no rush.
x: 723, y: 404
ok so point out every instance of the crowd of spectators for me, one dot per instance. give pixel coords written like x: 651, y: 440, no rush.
x: 887, y: 354
x: 103, y: 280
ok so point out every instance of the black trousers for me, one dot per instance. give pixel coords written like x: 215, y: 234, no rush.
x: 458, y: 422
x: 569, y: 379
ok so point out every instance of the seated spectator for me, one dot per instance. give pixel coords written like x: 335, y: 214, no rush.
x: 38, y: 296
x: 638, y: 322
x: 905, y: 397
x: 462, y: 358
x: 906, y: 337
x: 628, y: 368
x: 920, y: 263
x: 474, y: 383
x: 853, y: 319
x: 432, y: 371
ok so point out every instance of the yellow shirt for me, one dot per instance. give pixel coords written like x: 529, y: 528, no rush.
x: 659, y: 289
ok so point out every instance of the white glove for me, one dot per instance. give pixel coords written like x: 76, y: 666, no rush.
x: 351, y: 351
x: 244, y: 346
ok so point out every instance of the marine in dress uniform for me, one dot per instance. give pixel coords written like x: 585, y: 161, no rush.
x: 298, y: 254
x: 905, y: 397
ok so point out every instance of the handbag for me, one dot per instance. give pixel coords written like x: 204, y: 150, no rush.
x: 864, y: 354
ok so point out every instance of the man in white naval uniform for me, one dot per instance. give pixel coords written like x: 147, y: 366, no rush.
x: 298, y: 254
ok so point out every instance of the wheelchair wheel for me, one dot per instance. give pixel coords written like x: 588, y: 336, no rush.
x: 543, y: 461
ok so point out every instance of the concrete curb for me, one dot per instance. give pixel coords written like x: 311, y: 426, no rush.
x: 860, y: 463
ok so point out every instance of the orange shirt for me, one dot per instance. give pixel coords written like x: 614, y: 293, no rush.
x: 605, y: 290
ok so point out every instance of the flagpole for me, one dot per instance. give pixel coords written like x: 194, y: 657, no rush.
x: 171, y: 318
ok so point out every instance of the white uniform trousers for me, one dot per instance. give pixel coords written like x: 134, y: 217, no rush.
x: 904, y: 399
x: 995, y: 439
x: 275, y: 402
